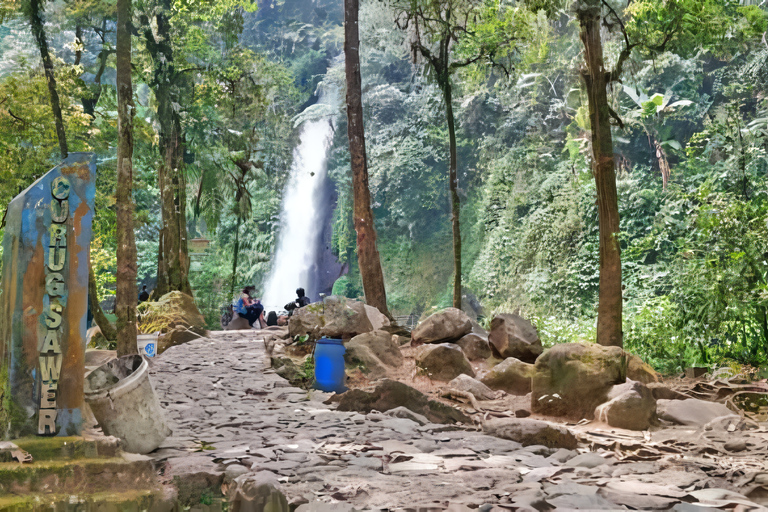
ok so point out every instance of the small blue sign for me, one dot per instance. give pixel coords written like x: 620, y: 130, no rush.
x: 149, y: 349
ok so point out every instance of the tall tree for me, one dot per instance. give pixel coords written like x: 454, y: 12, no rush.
x: 34, y: 12
x: 167, y: 83
x: 654, y: 28
x: 367, y: 251
x: 438, y: 28
x: 609, y: 308
x: 127, y: 292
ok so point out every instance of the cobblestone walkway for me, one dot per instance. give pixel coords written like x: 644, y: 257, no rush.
x: 230, y: 413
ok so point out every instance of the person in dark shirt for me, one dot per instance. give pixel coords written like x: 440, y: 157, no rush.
x: 144, y: 295
x: 271, y: 319
x: 301, y: 301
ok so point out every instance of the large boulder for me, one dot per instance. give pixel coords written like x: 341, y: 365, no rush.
x: 630, y: 406
x: 693, y: 412
x: 447, y: 325
x: 443, y: 362
x: 513, y: 336
x: 571, y: 379
x: 389, y: 394
x: 374, y: 353
x: 529, y: 432
x: 640, y: 371
x: 511, y: 375
x: 335, y: 317
x: 475, y: 346
x: 175, y: 316
x: 377, y: 318
x: 307, y: 321
x: 468, y: 384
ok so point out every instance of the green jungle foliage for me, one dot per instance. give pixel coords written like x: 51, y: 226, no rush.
x: 692, y: 158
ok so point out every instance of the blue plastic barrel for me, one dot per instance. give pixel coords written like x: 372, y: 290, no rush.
x: 329, y: 365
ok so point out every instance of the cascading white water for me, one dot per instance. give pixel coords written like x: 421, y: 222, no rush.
x: 299, y: 237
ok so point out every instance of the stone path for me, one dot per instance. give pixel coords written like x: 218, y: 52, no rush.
x: 232, y: 414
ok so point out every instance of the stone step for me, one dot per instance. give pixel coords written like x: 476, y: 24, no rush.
x: 66, y: 448
x: 80, y: 476
x: 127, y: 501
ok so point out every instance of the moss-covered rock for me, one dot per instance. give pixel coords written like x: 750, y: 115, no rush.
x: 175, y: 316
x: 571, y: 379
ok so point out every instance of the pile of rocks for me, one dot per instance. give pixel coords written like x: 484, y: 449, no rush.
x: 573, y: 381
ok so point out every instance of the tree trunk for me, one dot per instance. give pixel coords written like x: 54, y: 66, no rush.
x: 34, y: 10
x: 98, y: 314
x: 127, y: 292
x: 453, y: 186
x: 89, y: 104
x: 367, y: 251
x: 173, y: 263
x: 609, y: 309
x: 234, y: 258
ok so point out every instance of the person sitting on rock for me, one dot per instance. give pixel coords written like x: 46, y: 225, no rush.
x: 250, y: 308
x: 301, y: 301
x: 271, y: 319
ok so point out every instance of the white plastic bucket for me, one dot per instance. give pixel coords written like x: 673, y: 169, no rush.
x: 147, y: 344
x: 124, y: 404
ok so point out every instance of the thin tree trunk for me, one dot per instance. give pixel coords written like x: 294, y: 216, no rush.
x: 107, y: 329
x: 367, y: 251
x: 35, y: 13
x: 161, y: 287
x: 453, y: 186
x: 89, y: 104
x: 127, y: 292
x: 609, y: 309
x: 79, y: 43
x: 234, y: 258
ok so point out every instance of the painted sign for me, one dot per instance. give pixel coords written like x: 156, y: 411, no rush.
x: 43, y: 301
x: 55, y: 293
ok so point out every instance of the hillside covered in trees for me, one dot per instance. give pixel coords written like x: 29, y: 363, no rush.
x: 513, y: 98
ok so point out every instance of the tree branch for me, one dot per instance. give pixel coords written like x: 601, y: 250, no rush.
x: 616, y: 117
x: 457, y: 65
x: 615, y: 75
x: 198, y: 68
x: 22, y: 121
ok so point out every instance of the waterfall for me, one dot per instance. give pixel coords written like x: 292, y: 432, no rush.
x: 298, y: 242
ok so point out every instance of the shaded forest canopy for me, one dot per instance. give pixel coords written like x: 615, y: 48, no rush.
x: 691, y: 158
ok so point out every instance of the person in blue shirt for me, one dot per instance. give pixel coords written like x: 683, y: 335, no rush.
x: 250, y: 308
